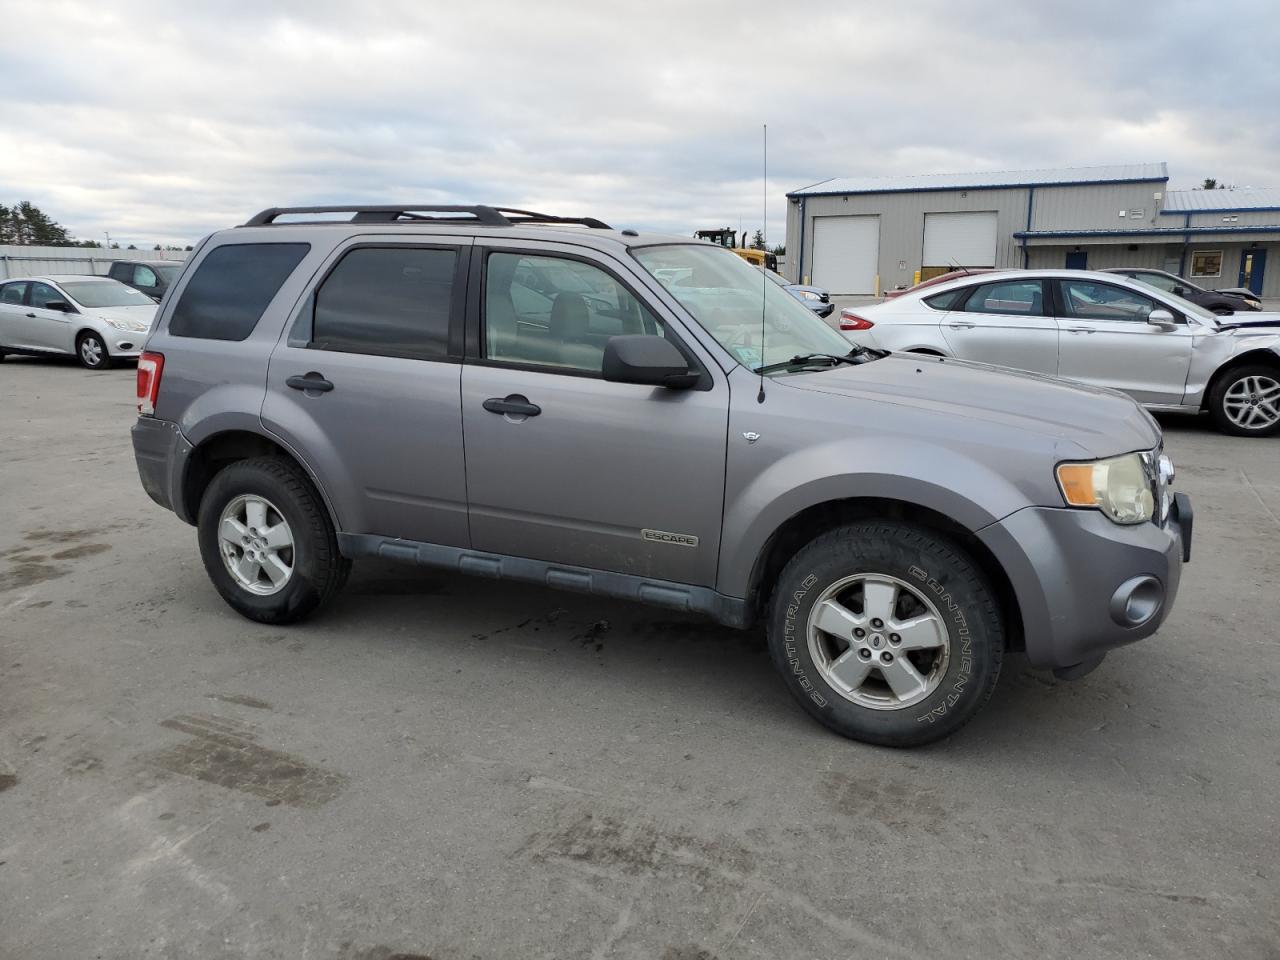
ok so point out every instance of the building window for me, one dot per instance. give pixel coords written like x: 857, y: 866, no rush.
x: 1206, y: 263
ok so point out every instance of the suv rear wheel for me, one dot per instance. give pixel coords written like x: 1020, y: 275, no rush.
x: 267, y: 542
x: 1246, y: 401
x: 886, y: 632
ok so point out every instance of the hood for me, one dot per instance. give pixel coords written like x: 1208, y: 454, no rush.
x: 1264, y: 320
x: 1101, y: 422
x: 142, y: 313
x: 805, y: 288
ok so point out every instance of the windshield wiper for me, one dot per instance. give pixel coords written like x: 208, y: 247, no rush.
x: 809, y: 359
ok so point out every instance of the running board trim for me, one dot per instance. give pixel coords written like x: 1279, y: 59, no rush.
x: 730, y: 611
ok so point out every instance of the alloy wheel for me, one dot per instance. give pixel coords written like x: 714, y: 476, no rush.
x: 1253, y: 402
x: 256, y: 545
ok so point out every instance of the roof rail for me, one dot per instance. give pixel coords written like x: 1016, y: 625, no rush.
x: 415, y: 213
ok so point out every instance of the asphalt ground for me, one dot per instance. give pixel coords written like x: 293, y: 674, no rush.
x: 452, y: 768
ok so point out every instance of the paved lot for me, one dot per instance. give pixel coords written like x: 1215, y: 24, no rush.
x: 440, y: 767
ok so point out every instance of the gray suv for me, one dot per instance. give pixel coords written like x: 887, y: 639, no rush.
x: 529, y: 397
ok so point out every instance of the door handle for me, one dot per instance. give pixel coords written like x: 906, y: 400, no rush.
x: 312, y: 381
x: 32, y: 316
x: 962, y: 326
x: 515, y: 404
x: 1079, y: 330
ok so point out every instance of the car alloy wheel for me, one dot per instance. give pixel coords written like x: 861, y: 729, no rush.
x: 256, y: 545
x: 1253, y: 402
x: 878, y: 641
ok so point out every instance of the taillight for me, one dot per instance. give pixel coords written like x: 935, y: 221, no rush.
x: 851, y: 321
x: 150, y: 366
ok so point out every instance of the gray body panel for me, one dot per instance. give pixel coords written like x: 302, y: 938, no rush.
x: 413, y: 467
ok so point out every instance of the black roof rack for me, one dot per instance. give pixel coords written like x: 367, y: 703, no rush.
x: 416, y: 213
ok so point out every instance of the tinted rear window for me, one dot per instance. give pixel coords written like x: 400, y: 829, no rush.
x: 947, y: 300
x: 225, y: 298
x: 390, y: 301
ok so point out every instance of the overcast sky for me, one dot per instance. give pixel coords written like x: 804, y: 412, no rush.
x: 162, y: 122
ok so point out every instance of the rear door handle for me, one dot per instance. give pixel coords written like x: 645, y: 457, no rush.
x: 1079, y: 330
x: 962, y: 326
x: 312, y: 381
x: 32, y: 316
x: 515, y: 404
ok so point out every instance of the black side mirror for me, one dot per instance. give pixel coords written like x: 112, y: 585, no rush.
x: 60, y: 305
x: 649, y: 360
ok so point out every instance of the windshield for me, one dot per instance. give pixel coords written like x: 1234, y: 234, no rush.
x: 780, y: 281
x: 105, y: 293
x: 728, y: 297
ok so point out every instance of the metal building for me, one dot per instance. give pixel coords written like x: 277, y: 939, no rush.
x: 867, y: 235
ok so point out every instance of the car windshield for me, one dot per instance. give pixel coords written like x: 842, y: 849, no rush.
x: 105, y: 293
x: 780, y: 281
x: 727, y: 296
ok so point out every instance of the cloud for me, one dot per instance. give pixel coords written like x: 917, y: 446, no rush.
x: 161, y: 125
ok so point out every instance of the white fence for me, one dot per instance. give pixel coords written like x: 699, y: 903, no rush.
x: 41, y: 261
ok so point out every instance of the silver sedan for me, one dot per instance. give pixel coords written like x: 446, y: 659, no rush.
x: 1097, y: 328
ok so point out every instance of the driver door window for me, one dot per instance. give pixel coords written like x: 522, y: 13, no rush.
x: 1086, y: 300
x: 556, y: 312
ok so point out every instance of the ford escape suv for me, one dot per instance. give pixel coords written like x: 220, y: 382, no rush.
x: 529, y: 397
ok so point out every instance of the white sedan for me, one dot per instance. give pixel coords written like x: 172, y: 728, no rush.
x: 96, y: 319
x: 1098, y: 328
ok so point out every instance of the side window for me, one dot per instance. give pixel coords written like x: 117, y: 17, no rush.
x: 1157, y: 280
x: 1023, y: 298
x: 144, y: 276
x: 120, y: 271
x: 42, y: 293
x: 1087, y: 300
x: 557, y: 312
x: 231, y: 288
x: 946, y: 300
x: 389, y: 301
x: 13, y: 292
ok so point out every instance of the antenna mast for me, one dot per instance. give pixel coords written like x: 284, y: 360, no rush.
x: 764, y: 231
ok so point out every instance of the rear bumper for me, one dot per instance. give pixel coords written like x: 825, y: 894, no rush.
x: 160, y: 451
x: 1085, y: 585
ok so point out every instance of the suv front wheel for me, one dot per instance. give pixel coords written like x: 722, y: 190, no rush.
x: 887, y: 633
x: 267, y: 542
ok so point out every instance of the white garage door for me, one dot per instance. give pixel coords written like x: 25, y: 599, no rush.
x: 964, y: 239
x: 846, y: 253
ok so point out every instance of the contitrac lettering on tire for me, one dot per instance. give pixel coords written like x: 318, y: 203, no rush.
x: 789, y: 640
x: 962, y: 635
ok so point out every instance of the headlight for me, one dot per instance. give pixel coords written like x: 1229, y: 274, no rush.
x: 133, y: 326
x: 1120, y: 487
x: 809, y: 295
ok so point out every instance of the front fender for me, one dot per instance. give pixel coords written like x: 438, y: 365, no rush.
x: 920, y: 474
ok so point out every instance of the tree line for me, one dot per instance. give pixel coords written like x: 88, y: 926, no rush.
x: 26, y: 225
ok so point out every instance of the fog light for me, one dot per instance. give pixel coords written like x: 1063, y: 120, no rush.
x: 1136, y: 601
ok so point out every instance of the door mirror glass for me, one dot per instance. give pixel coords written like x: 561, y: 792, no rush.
x: 1162, y: 319
x: 59, y: 305
x: 650, y: 360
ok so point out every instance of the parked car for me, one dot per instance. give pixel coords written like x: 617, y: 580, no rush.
x: 95, y: 319
x: 150, y: 276
x: 815, y: 298
x: 1099, y: 328
x: 934, y: 281
x: 896, y: 523
x: 1219, y: 301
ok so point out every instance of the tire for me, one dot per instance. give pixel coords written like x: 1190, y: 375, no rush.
x: 316, y: 570
x: 937, y: 586
x: 1244, y: 394
x: 91, y: 351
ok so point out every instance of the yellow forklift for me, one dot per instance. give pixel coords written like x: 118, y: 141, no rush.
x: 728, y: 239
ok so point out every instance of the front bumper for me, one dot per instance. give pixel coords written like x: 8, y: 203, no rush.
x: 161, y: 452
x: 1081, y: 580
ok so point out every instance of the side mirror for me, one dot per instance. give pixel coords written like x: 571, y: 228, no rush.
x: 1162, y: 319
x: 60, y: 305
x: 649, y: 360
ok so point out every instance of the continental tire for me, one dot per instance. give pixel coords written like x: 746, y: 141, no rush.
x: 886, y: 632
x: 267, y: 542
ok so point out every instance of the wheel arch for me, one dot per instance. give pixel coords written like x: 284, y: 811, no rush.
x: 1263, y: 356
x: 219, y: 450
x: 807, y: 524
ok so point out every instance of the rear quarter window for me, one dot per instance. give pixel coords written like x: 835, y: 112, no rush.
x: 946, y: 300
x: 225, y: 298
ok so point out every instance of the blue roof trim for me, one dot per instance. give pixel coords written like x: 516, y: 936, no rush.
x: 1196, y: 211
x: 1153, y: 232
x: 985, y: 186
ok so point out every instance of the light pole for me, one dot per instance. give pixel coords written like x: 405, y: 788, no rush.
x: 107, y: 234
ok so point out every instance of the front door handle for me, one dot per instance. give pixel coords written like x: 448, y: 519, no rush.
x: 32, y: 316
x: 962, y: 326
x: 517, y: 405
x: 1079, y: 330
x: 312, y: 381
